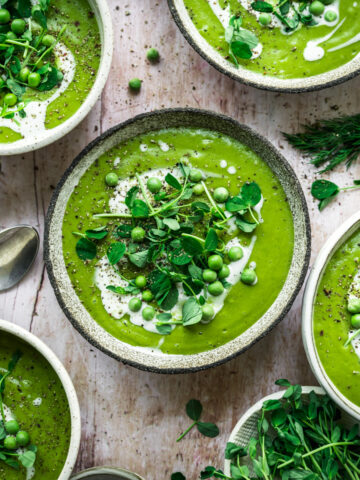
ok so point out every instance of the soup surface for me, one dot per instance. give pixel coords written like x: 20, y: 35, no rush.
x: 34, y: 396
x: 313, y: 45
x: 338, y: 348
x: 236, y: 303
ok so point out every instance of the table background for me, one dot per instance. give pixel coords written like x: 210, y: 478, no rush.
x: 132, y: 418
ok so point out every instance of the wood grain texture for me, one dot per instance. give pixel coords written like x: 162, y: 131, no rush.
x: 132, y: 418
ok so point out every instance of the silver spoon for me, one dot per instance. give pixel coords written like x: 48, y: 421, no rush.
x: 19, y: 246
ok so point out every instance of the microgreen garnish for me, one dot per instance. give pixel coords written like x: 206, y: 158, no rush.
x: 194, y: 410
x: 289, y: 13
x: 326, y: 191
x: 26, y: 54
x: 9, y: 443
x: 178, y: 476
x: 329, y: 142
x: 296, y: 440
x: 241, y: 41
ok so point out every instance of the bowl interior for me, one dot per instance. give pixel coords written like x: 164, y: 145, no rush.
x: 267, y: 82
x: 142, y: 124
x: 246, y: 428
x: 338, y: 238
x: 104, y: 21
x: 67, y: 384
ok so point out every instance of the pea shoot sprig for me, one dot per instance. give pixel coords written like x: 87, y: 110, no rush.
x: 26, y: 54
x: 12, y: 438
x: 295, y: 440
x: 178, y: 240
x: 194, y: 410
x: 326, y: 191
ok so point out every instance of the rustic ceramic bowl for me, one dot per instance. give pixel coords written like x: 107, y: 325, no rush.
x: 246, y: 428
x: 337, y: 239
x: 106, y: 473
x: 45, y: 351
x: 103, y: 17
x: 265, y: 82
x: 71, y: 304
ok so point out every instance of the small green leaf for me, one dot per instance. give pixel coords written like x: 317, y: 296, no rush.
x: 139, y: 258
x: 261, y: 6
x: 235, y: 204
x: 171, y: 223
x: 211, y: 240
x: 97, y: 233
x: 170, y: 298
x: 192, y: 246
x: 139, y: 209
x: 191, y: 312
x: 241, y: 50
x: 244, y: 225
x: 322, y: 189
x: 27, y: 459
x: 115, y: 252
x: 251, y: 194
x: 85, y: 249
x: 177, y: 476
x: 208, y: 429
x: 194, y: 409
x: 164, y: 329
x: 232, y: 451
x: 118, y: 290
x: 173, y: 182
x: 131, y: 196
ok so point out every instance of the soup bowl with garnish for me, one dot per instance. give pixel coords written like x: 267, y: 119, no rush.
x: 288, y: 46
x: 331, y: 316
x: 39, y: 411
x: 177, y: 239
x: 54, y: 63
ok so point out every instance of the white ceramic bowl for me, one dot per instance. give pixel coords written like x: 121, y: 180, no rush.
x: 331, y: 246
x: 66, y: 382
x: 106, y: 473
x: 103, y: 17
x: 246, y: 428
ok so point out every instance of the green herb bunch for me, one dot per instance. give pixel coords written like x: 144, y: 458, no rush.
x: 296, y: 441
x: 173, y: 238
x: 11, y: 437
x: 26, y: 54
x: 290, y: 13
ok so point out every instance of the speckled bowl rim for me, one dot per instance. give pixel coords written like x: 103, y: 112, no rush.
x: 67, y: 384
x: 103, y: 16
x: 255, y: 409
x: 122, y: 351
x: 264, y: 82
x: 117, y: 472
x: 337, y: 239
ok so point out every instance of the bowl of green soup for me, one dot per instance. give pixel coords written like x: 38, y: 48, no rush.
x: 55, y: 60
x: 106, y: 473
x: 39, y: 412
x: 177, y: 239
x: 331, y: 317
x: 288, y: 46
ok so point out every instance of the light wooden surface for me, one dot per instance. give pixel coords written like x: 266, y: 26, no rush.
x: 131, y: 418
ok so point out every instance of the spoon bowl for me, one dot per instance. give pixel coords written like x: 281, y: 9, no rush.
x: 19, y: 246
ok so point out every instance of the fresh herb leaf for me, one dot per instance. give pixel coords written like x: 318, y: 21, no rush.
x: 194, y: 410
x: 115, y: 252
x: 97, y: 233
x: 85, y: 249
x: 261, y: 6
x: 191, y: 312
x: 178, y: 476
x: 164, y: 329
x: 211, y: 240
x: 139, y: 258
x: 326, y: 191
x: 208, y: 429
x: 173, y: 182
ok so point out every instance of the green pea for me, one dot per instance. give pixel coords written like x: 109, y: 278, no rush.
x: 235, y: 254
x: 140, y: 281
x: 34, y: 79
x: 330, y: 16
x: 138, y: 234
x: 248, y: 276
x: 265, y: 19
x: 195, y: 175
x: 12, y: 427
x: 22, y: 438
x: 111, y: 179
x: 24, y: 74
x: 10, y: 99
x: 224, y: 272
x: 48, y: 40
x: 317, y: 7
x: 355, y: 321
x: 18, y: 26
x: 209, y: 276
x: 11, y: 36
x: 215, y: 262
x: 10, y: 443
x: 354, y: 305
x: 154, y: 185
x: 135, y: 304
x: 216, y: 288
x: 221, y: 194
x: 148, y: 313
x: 4, y: 16
x: 152, y: 55
x: 135, y: 84
x: 198, y: 189
x: 207, y: 312
x: 147, y: 296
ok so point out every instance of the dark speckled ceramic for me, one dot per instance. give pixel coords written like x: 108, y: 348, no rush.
x: 61, y: 283
x: 106, y: 473
x: 265, y: 82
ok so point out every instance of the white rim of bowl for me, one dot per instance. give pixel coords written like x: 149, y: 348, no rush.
x: 266, y: 82
x: 67, y: 384
x: 256, y: 408
x: 332, y: 244
x: 119, y: 472
x: 104, y: 20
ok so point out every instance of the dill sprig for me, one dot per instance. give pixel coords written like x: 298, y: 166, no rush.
x: 329, y: 142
